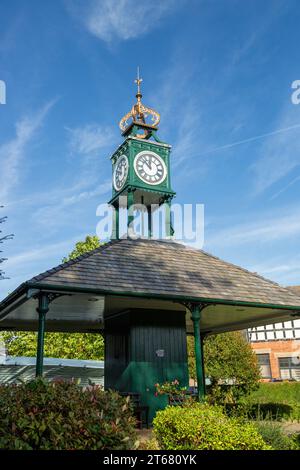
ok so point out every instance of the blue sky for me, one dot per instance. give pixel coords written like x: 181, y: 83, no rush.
x: 220, y: 74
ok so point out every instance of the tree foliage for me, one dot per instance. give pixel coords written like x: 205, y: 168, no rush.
x: 90, y: 243
x: 64, y: 345
x: 228, y: 359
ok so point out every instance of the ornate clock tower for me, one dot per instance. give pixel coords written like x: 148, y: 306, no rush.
x: 141, y: 167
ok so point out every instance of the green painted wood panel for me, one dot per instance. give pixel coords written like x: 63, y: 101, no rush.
x: 133, y: 353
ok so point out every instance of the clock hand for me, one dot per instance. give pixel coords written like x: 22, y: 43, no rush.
x: 147, y: 163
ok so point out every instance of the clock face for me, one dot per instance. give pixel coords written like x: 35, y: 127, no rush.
x: 120, y: 172
x: 150, y: 167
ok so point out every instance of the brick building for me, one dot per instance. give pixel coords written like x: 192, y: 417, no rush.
x: 278, y: 348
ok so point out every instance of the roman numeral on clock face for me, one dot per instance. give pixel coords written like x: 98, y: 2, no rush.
x: 120, y: 172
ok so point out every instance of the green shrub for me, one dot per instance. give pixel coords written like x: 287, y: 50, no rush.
x: 204, y: 427
x: 296, y: 440
x: 61, y: 415
x: 228, y: 359
x: 273, y: 435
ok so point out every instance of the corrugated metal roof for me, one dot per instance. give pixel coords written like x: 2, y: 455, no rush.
x: 50, y: 361
x: 17, y: 369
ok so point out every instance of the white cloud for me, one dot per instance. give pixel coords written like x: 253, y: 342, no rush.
x: 264, y: 231
x: 123, y: 19
x: 53, y: 196
x: 12, y: 152
x: 67, y: 210
x: 89, y: 139
x: 42, y: 253
x: 262, y: 26
x: 250, y: 139
x: 279, y: 154
x: 188, y: 138
x: 26, y: 264
x: 101, y: 189
x: 62, y: 205
x: 285, y: 272
x: 181, y: 113
x: 286, y: 187
x: 85, y: 141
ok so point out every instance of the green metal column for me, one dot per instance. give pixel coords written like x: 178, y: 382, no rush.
x: 41, y: 310
x: 196, y: 315
x: 202, y: 356
x: 149, y: 222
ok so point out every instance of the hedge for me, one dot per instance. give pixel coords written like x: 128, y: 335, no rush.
x: 204, y: 427
x: 61, y: 415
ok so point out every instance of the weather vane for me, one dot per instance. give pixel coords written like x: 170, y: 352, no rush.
x: 138, y: 81
x: 139, y: 112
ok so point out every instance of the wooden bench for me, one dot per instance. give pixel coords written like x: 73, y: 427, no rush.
x: 179, y: 400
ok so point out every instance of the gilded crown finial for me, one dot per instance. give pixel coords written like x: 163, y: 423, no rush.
x: 139, y: 112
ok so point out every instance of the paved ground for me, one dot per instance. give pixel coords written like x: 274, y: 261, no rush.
x: 144, y: 434
x: 291, y: 428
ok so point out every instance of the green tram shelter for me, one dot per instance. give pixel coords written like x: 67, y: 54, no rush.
x: 145, y: 296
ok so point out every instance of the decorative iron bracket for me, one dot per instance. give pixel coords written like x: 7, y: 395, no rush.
x: 51, y: 296
x: 295, y: 313
x: 190, y: 305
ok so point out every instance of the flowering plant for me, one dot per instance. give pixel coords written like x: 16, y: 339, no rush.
x: 170, y: 388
